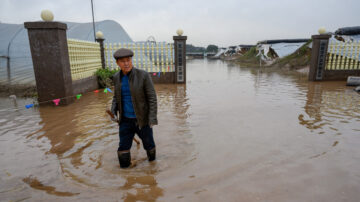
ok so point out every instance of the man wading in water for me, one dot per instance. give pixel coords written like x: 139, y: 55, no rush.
x: 135, y: 100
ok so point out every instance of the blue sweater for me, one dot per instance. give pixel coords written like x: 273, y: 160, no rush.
x: 127, y: 106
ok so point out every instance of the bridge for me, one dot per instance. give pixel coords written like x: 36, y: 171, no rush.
x: 200, y: 54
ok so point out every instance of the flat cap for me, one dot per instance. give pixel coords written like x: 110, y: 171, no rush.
x: 122, y: 53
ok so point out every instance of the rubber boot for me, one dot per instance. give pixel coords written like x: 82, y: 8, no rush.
x: 151, y: 154
x: 124, y: 159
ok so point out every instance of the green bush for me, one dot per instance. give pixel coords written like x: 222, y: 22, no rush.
x: 249, y: 58
x: 105, y: 77
x: 251, y: 53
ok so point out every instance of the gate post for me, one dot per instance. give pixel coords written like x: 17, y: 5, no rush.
x: 102, y: 52
x: 180, y: 57
x: 49, y: 51
x: 318, y: 56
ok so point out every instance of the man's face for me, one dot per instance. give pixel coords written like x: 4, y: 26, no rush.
x: 125, y: 64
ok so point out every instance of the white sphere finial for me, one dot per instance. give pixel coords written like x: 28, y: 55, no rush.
x: 322, y: 30
x: 47, y: 15
x: 179, y: 32
x: 99, y: 35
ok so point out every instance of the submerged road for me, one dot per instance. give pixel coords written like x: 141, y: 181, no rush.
x: 230, y: 134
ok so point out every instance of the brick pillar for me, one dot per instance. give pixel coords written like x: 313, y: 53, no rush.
x: 180, y: 58
x: 318, y: 56
x: 101, y: 41
x: 49, y: 51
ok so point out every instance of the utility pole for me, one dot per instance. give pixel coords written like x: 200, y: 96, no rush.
x: 92, y: 8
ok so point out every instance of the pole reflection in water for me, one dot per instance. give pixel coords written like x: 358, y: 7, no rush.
x: 312, y: 108
x: 82, y: 141
x: 328, y: 106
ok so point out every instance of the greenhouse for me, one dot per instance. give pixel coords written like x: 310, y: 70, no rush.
x: 15, y: 57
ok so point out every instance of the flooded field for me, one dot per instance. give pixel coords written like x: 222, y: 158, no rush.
x: 230, y: 134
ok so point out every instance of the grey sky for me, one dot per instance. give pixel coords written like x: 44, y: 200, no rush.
x: 222, y: 22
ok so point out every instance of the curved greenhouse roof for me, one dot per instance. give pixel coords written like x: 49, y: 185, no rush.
x: 348, y: 31
x: 14, y: 44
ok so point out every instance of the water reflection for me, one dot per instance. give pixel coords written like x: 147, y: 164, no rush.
x: 329, y: 104
x: 173, y: 98
x: 57, y: 127
x: 219, y: 137
x: 85, y: 140
x: 173, y: 135
x: 312, y: 108
x: 141, y: 188
x: 36, y: 184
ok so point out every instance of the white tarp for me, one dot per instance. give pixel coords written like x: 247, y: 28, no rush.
x: 285, y: 49
x: 266, y: 49
x: 220, y: 52
x: 281, y: 49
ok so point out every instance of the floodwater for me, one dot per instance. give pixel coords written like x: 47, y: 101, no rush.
x: 230, y: 134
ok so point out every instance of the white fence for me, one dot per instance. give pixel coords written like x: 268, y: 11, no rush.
x: 151, y: 57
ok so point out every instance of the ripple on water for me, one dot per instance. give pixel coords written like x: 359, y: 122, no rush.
x: 85, y: 140
x: 247, y: 117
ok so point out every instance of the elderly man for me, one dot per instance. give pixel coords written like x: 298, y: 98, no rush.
x: 135, y: 104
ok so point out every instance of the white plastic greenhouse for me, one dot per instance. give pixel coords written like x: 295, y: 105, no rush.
x: 14, y: 47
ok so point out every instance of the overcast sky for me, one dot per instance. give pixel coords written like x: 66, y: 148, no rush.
x: 222, y: 22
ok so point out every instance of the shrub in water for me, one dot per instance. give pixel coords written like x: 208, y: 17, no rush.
x: 105, y: 77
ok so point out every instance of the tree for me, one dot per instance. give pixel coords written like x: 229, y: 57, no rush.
x: 191, y: 48
x: 212, y: 49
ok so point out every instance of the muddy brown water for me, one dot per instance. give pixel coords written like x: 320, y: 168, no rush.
x: 230, y: 134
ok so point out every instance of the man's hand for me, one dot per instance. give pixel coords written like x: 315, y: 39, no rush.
x: 112, y: 116
x: 115, y: 119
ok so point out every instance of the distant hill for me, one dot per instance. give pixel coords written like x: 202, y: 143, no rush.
x: 113, y: 31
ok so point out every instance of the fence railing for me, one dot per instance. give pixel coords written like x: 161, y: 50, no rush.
x: 343, y: 55
x: 85, y: 58
x: 151, y: 57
